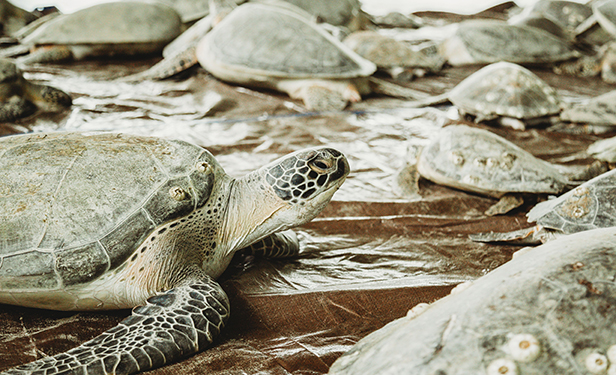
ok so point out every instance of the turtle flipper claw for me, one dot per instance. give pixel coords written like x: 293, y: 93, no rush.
x: 179, y: 322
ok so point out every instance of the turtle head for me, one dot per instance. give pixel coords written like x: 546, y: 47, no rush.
x: 306, y: 180
x: 287, y: 192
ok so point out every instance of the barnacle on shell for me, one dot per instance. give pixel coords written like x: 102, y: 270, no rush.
x: 524, y: 347
x: 596, y: 363
x: 502, y: 366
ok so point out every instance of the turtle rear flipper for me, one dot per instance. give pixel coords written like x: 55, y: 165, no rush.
x: 14, y: 108
x: 526, y: 236
x: 167, y: 67
x: 278, y: 245
x: 179, y: 322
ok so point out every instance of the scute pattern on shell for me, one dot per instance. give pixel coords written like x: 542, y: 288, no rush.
x: 589, y: 206
x: 491, y: 41
x: 505, y: 89
x: 77, y: 205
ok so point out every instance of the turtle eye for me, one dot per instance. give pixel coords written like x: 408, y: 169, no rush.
x: 320, y: 165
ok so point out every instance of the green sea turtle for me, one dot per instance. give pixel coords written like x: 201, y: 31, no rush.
x: 502, y: 91
x: 116, y: 28
x: 20, y: 97
x: 111, y: 221
x: 547, y: 311
x: 180, y: 54
x: 488, y: 41
x: 588, y: 206
x: 559, y: 17
x: 600, y: 111
x: 399, y: 59
x: 297, y: 57
x: 479, y: 161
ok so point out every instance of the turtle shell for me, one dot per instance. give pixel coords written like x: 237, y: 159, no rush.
x: 588, y: 206
x: 600, y: 110
x: 479, y: 161
x: 75, y: 206
x: 605, y: 12
x: 127, y: 22
x: 263, y: 42
x: 488, y: 41
x: 505, y: 89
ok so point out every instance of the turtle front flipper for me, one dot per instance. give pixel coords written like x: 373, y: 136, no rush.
x: 174, y: 324
x: 278, y: 245
x: 47, y: 54
x: 505, y: 204
x: 14, y: 108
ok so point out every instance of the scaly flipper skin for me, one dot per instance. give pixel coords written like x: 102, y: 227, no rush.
x: 172, y: 325
x: 278, y: 245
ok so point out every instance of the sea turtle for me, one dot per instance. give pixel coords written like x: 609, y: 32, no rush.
x: 604, y: 150
x: 13, y: 18
x: 479, y: 161
x: 588, y: 206
x: 547, y: 311
x: 488, y: 41
x: 117, y: 28
x: 297, y: 57
x: 504, y: 91
x: 559, y: 17
x: 180, y: 54
x: 600, y: 110
x: 95, y: 221
x: 20, y: 97
x: 399, y: 59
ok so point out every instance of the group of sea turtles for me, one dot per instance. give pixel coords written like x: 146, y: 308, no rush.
x: 85, y: 216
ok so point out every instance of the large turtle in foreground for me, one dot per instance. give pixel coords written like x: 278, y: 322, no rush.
x: 116, y: 28
x: 550, y: 310
x: 111, y: 221
x: 589, y: 206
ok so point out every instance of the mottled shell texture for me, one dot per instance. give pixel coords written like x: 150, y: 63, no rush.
x: 480, y: 161
x: 589, y: 206
x: 505, y: 89
x: 75, y: 206
x: 113, y: 23
x: 267, y: 41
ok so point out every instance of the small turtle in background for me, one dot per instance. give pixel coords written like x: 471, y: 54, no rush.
x: 502, y: 91
x: 117, y: 28
x: 597, y: 111
x: 13, y: 18
x: 98, y: 221
x: 399, y: 59
x: 547, y: 311
x: 20, y: 97
x: 590, y: 205
x: 558, y: 17
x: 181, y: 54
x: 479, y: 161
x: 297, y: 57
x: 489, y: 41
